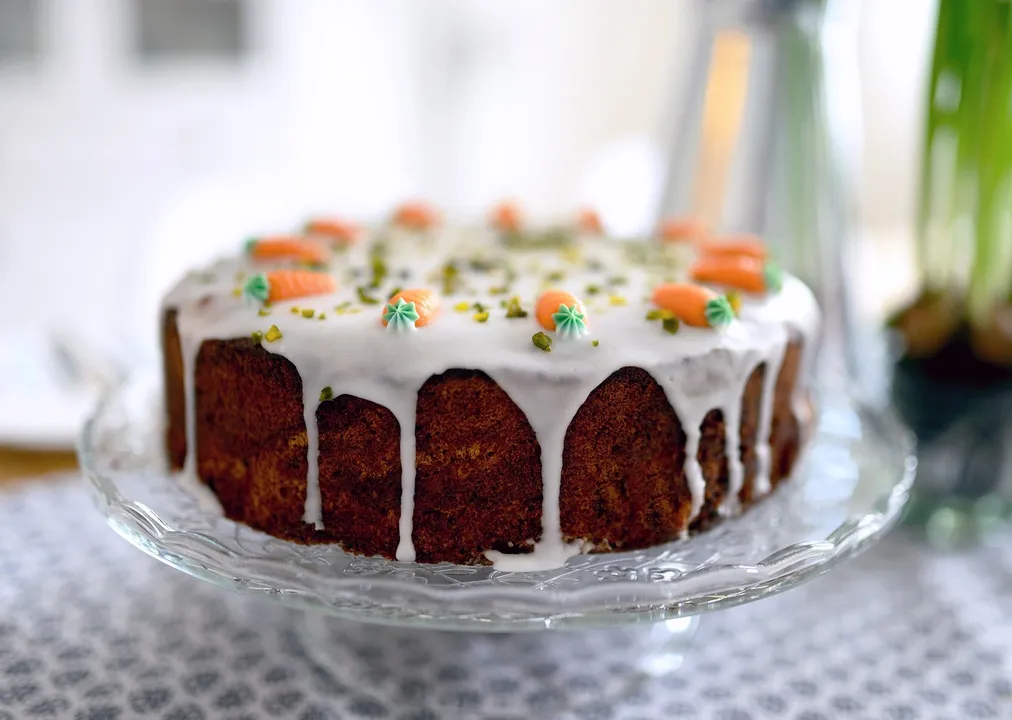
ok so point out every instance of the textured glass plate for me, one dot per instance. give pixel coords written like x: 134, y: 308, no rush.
x: 849, y: 489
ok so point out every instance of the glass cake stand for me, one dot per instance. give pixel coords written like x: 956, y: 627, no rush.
x: 848, y: 491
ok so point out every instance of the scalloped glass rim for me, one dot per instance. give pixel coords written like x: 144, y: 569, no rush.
x: 848, y: 491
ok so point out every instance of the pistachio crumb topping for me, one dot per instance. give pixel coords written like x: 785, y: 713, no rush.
x: 462, y: 306
x: 542, y: 341
x: 258, y: 337
x: 295, y: 310
x: 595, y: 343
x: 308, y: 313
x: 514, y: 310
x: 659, y: 314
x: 273, y: 334
x: 263, y: 313
x: 365, y: 297
x: 237, y: 292
x: 593, y: 289
x: 326, y: 394
x: 670, y: 325
x: 481, y: 316
x: 617, y: 300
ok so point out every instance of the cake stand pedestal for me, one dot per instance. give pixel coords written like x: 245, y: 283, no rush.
x: 846, y: 493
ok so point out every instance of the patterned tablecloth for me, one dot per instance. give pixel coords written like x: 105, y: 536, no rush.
x: 91, y: 628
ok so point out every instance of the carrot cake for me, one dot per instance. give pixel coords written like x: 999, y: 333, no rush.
x: 498, y: 393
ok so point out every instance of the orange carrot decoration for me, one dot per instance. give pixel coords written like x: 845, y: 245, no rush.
x: 741, y: 245
x: 506, y: 217
x: 737, y: 271
x: 286, y: 247
x: 694, y: 304
x: 416, y: 216
x: 335, y: 230
x: 279, y: 285
x: 425, y: 302
x: 562, y: 311
x: 676, y: 230
x: 589, y: 221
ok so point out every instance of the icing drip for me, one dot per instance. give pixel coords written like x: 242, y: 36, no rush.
x: 693, y: 471
x: 313, y: 513
x: 549, y: 408
x: 406, y: 418
x: 190, y: 346
x: 774, y: 361
x: 732, y: 450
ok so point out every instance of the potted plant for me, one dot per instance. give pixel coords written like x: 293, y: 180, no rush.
x: 952, y: 380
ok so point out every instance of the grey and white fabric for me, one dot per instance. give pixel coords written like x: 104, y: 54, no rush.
x: 92, y: 629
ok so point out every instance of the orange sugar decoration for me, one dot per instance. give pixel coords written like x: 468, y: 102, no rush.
x: 677, y: 230
x: 737, y: 271
x: 280, y: 285
x: 416, y: 215
x: 740, y: 245
x: 589, y: 221
x: 335, y: 230
x: 548, y: 304
x: 694, y: 305
x: 426, y: 304
x: 287, y: 247
x: 506, y: 217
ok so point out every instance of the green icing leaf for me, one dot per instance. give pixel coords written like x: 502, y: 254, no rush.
x: 258, y: 288
x: 250, y: 245
x: 773, y: 277
x: 719, y: 312
x: 400, y: 316
x: 569, y: 321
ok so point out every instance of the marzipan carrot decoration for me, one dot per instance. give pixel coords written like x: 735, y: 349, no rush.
x: 738, y: 271
x: 589, y: 221
x: 417, y: 307
x: 337, y: 231
x: 416, y: 216
x: 287, y: 247
x: 675, y: 230
x: 741, y: 245
x: 561, y: 311
x: 694, y: 304
x: 279, y: 285
x: 506, y: 217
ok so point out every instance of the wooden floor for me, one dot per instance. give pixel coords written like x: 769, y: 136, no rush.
x: 17, y: 464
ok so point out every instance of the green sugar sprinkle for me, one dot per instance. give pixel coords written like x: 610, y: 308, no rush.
x: 273, y: 334
x: 595, y: 343
x: 364, y: 296
x: 326, y: 394
x: 670, y: 325
x: 513, y: 309
x: 481, y: 316
x: 308, y: 313
x: 542, y: 341
x: 258, y: 337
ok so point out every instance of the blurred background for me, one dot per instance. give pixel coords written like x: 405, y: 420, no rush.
x: 138, y: 137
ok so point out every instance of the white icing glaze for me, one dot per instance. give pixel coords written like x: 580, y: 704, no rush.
x: 698, y: 369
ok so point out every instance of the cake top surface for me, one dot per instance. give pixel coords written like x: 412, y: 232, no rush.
x: 414, y: 295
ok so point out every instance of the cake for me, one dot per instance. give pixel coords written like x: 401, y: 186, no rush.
x: 496, y: 393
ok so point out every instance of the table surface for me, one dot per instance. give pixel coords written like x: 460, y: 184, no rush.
x: 92, y: 629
